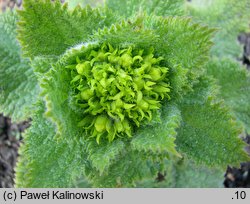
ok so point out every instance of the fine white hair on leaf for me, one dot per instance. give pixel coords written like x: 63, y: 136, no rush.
x: 84, y: 44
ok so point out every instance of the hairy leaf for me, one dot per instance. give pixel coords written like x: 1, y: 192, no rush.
x: 234, y: 81
x: 165, y: 178
x: 184, y: 42
x: 41, y: 65
x: 186, y: 46
x: 157, y: 7
x: 18, y: 84
x: 185, y: 174
x: 159, y: 138
x: 230, y: 17
x: 208, y: 134
x: 190, y: 175
x: 48, y: 28
x: 130, y: 166
x: 46, y: 161
x: 102, y: 156
x: 56, y: 92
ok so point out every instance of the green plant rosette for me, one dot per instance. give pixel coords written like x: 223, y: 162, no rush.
x: 121, y: 98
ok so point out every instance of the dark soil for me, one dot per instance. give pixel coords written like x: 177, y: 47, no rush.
x: 4, y: 4
x: 10, y: 139
x: 245, y: 40
x: 239, y: 177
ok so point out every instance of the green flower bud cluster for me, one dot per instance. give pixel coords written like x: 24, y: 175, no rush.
x: 118, y: 89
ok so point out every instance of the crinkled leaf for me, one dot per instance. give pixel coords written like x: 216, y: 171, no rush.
x: 41, y: 65
x: 102, y: 156
x: 45, y: 161
x: 185, y: 174
x: 130, y: 166
x: 186, y: 46
x: 164, y: 179
x: 208, y: 133
x: 183, y: 41
x: 159, y: 138
x: 190, y: 175
x: 18, y: 84
x: 230, y: 17
x: 56, y: 91
x: 126, y: 33
x: 48, y: 28
x: 234, y: 81
x: 160, y: 8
